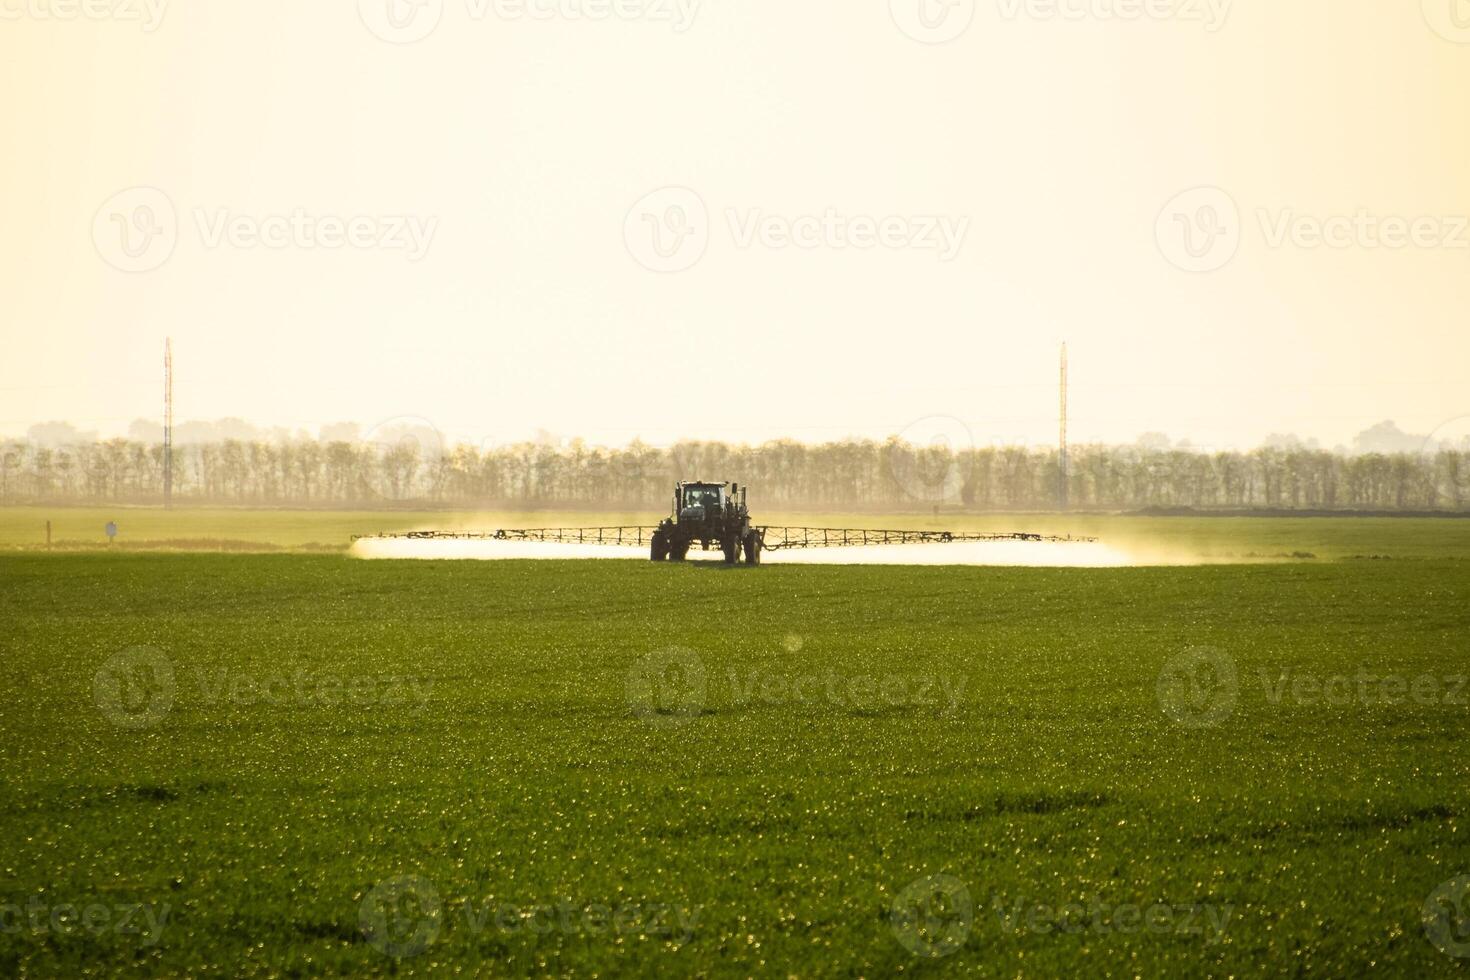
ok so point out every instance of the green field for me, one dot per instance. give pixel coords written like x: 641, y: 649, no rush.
x: 303, y: 764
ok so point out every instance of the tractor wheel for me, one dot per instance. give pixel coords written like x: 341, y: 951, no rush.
x: 659, y: 550
x: 731, y: 547
x: 753, y: 548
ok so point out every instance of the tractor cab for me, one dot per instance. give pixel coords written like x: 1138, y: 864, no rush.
x: 699, y: 501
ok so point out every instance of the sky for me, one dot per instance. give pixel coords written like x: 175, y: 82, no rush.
x: 674, y: 219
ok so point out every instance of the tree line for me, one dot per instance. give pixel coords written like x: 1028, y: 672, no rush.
x: 853, y: 474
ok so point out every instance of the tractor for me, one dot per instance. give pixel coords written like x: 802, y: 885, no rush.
x: 710, y: 514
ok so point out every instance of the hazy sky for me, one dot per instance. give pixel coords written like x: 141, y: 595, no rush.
x: 739, y: 220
